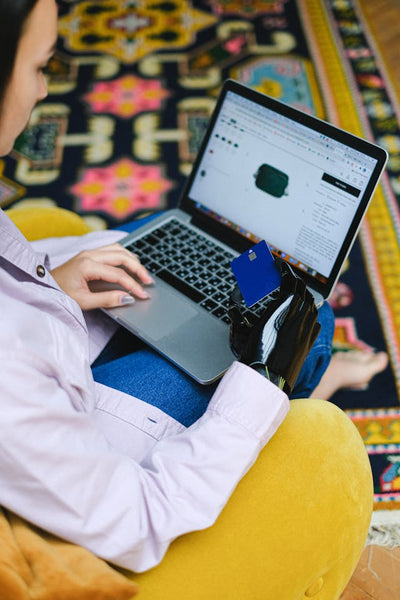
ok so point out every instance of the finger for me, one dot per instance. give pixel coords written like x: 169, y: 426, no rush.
x: 301, y: 288
x: 95, y: 271
x: 309, y: 298
x: 110, y: 299
x: 288, y: 280
x: 131, y: 263
x: 310, y: 328
x: 314, y: 329
x: 116, y: 255
x: 236, y: 296
x: 294, y: 307
x: 315, y: 333
x: 116, y: 246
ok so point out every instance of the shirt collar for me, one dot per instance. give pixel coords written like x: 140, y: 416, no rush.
x: 15, y: 248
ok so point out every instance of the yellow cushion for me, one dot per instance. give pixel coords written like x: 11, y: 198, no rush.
x: 42, y: 222
x: 294, y: 528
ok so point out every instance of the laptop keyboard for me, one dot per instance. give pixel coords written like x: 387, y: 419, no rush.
x: 192, y: 264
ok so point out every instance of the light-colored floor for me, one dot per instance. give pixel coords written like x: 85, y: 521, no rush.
x: 377, y: 576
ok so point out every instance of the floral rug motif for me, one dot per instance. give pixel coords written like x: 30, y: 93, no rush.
x: 120, y: 188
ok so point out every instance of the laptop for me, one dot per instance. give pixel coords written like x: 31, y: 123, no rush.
x: 265, y: 171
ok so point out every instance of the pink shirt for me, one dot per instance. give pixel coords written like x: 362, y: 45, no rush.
x: 92, y: 464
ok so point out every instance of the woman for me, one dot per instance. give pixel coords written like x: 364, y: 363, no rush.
x: 92, y: 464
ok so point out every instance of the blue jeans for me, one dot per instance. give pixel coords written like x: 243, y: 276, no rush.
x: 128, y: 365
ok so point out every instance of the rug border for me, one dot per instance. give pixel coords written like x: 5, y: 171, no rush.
x: 382, y: 259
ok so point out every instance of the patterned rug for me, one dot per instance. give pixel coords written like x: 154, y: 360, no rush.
x: 132, y: 87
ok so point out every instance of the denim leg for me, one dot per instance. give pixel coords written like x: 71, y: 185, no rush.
x: 319, y: 356
x: 150, y: 377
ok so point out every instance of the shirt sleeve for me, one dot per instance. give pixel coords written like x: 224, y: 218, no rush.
x: 54, y: 252
x: 58, y: 470
x: 61, y: 249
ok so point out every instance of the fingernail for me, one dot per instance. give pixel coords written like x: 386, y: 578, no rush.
x: 145, y: 295
x: 127, y: 300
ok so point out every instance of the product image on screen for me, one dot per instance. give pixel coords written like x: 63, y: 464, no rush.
x: 271, y: 180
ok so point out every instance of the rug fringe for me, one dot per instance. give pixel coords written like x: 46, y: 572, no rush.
x: 384, y: 529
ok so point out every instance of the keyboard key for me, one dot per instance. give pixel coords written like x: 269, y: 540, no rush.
x: 181, y: 286
x: 219, y: 297
x: 219, y: 312
x: 209, y: 304
x: 214, y: 281
x: 152, y: 267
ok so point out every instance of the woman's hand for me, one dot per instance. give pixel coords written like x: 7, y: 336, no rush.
x: 277, y: 343
x: 112, y: 264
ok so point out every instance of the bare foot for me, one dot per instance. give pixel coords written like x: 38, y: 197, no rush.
x: 350, y: 370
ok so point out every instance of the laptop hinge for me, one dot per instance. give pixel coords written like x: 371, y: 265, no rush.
x: 221, y: 233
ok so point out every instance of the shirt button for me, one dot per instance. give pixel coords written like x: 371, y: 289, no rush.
x: 41, y: 271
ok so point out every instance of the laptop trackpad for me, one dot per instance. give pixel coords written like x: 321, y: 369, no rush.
x: 158, y: 317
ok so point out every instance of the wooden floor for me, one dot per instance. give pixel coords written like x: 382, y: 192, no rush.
x: 383, y: 17
x: 377, y: 576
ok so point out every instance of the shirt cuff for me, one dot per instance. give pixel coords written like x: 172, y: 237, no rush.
x: 251, y: 400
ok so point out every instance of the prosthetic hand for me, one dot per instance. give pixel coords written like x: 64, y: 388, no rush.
x: 277, y: 343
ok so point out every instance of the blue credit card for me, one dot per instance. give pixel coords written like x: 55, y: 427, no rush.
x: 256, y: 273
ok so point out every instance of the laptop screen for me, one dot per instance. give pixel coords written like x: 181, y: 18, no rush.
x: 267, y: 175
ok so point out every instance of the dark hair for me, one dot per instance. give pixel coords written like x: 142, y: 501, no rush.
x: 13, y: 16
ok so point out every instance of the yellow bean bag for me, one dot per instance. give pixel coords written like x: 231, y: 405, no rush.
x: 47, y: 221
x: 295, y: 526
